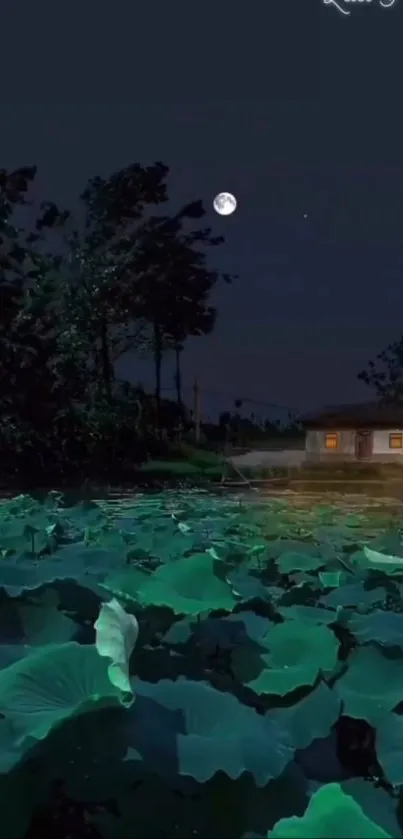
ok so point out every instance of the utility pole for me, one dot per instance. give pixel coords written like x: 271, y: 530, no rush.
x: 196, y: 391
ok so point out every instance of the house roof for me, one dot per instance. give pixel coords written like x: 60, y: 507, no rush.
x: 361, y: 415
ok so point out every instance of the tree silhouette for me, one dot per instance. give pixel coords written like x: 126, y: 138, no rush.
x: 77, y: 291
x: 171, y: 285
x: 385, y: 374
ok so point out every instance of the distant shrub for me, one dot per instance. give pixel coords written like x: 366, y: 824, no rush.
x: 203, y: 458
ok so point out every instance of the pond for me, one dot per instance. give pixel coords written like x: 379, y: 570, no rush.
x: 194, y: 663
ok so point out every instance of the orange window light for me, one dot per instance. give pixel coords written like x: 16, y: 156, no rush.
x: 331, y: 440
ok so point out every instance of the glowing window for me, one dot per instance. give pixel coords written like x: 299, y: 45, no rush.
x: 395, y: 441
x: 331, y: 441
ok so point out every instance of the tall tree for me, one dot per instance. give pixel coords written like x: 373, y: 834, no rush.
x: 385, y: 374
x: 188, y: 321
x: 118, y: 278
x: 174, y: 284
x: 14, y: 247
x: 27, y: 322
x: 96, y: 258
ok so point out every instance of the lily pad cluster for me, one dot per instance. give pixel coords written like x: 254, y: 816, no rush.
x: 185, y: 663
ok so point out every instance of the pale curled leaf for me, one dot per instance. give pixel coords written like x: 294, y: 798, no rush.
x: 116, y: 636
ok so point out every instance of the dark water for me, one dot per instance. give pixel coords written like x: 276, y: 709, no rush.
x: 373, y: 498
x: 73, y: 495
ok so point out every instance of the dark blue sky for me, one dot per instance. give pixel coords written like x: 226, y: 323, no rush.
x: 290, y: 105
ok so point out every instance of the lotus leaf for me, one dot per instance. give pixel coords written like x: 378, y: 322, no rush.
x: 332, y: 579
x: 277, y: 547
x: 371, y: 685
x: 385, y: 628
x: 206, y: 731
x: 383, y: 562
x: 34, y: 535
x: 389, y: 747
x: 292, y: 561
x: 116, y: 635
x: 312, y: 717
x: 375, y: 802
x: 354, y: 594
x: 298, y: 652
x: 188, y: 586
x: 43, y: 624
x: 308, y: 614
x: 330, y: 813
x: 51, y: 684
x: 268, y: 662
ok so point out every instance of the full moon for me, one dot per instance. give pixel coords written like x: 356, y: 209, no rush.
x: 225, y: 203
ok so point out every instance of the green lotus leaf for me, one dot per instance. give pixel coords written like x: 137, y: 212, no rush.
x: 385, y: 628
x: 389, y: 747
x: 311, y: 718
x: 375, y: 802
x: 10, y: 653
x: 277, y: 547
x: 207, y: 731
x: 200, y: 554
x: 126, y: 584
x: 355, y: 520
x: 42, y: 623
x: 292, y: 561
x: 371, y: 686
x: 188, y: 586
x: 257, y: 628
x: 299, y: 578
x: 84, y: 514
x: 331, y: 814
x: 51, y: 684
x: 31, y: 535
x: 332, y: 579
x: 20, y: 505
x: 298, y: 652
x: 181, y: 631
x: 75, y: 561
x: 308, y: 614
x: 19, y: 576
x: 79, y: 559
x: 227, y: 632
x: 294, y: 642
x: 384, y: 562
x: 46, y: 625
x: 247, y: 586
x: 254, y: 670
x: 387, y: 539
x: 354, y: 594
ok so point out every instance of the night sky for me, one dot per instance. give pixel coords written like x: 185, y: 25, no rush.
x: 293, y: 107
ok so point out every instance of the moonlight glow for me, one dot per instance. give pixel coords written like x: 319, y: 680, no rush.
x: 225, y: 203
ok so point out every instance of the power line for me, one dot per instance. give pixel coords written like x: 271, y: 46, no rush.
x: 236, y: 397
x: 256, y: 401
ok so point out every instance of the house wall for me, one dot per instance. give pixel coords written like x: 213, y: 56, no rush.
x: 381, y: 444
x: 316, y: 452
x: 315, y: 446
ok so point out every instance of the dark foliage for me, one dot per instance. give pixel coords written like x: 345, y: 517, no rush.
x: 385, y: 374
x: 75, y: 295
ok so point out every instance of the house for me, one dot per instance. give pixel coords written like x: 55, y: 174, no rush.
x: 362, y: 432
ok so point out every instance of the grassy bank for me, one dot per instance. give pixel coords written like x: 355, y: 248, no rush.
x: 185, y: 461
